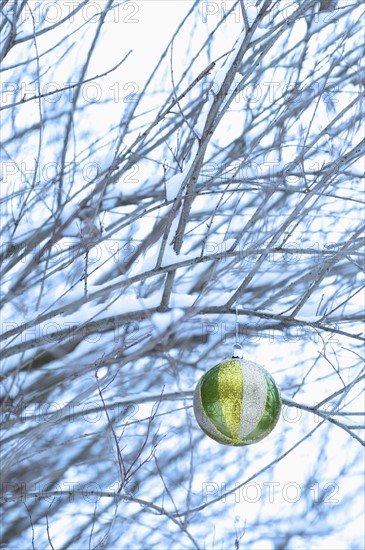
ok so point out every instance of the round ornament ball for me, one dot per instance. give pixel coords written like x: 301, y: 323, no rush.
x: 237, y: 402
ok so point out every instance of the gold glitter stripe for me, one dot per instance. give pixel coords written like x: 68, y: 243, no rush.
x: 230, y: 394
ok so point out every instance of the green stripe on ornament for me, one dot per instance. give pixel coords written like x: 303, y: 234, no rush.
x: 211, y: 401
x: 204, y: 420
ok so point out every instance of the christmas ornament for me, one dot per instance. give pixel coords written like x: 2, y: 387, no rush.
x: 237, y: 402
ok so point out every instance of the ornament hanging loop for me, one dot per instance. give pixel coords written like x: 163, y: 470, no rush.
x: 237, y: 348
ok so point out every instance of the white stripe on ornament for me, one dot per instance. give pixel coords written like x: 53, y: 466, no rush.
x: 253, y: 398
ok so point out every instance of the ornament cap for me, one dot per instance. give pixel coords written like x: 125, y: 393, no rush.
x: 237, y: 352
